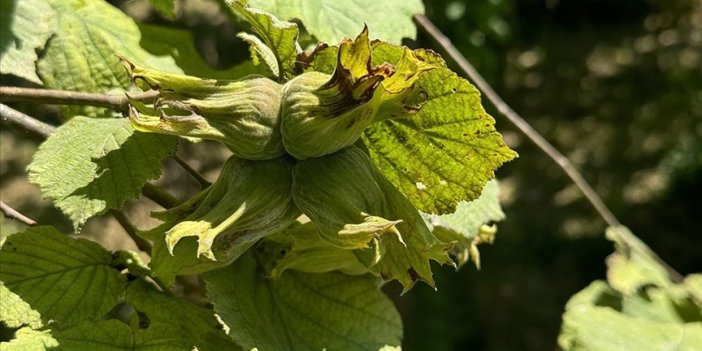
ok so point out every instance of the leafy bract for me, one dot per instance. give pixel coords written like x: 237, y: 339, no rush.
x: 91, y: 165
x: 467, y: 226
x: 278, y: 46
x: 64, y: 279
x: 301, y: 311
x: 354, y: 207
x: 331, y: 21
x: 638, y: 308
x: 299, y: 247
x: 25, y: 26
x: 180, y: 44
x: 249, y: 200
x: 82, y: 56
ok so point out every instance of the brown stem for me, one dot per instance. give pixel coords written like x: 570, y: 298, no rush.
x: 116, y: 102
x: 204, y: 183
x: 12, y: 116
x: 517, y: 120
x: 11, y: 213
x: 141, y: 243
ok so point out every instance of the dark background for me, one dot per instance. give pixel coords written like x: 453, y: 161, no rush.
x: 615, y: 85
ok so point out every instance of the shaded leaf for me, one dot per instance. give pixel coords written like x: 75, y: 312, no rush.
x: 279, y: 36
x: 331, y: 21
x: 180, y: 45
x: 354, y: 207
x: 113, y: 335
x: 91, y: 165
x: 25, y: 26
x: 302, y: 311
x: 66, y: 280
x: 185, y: 319
x: 82, y: 55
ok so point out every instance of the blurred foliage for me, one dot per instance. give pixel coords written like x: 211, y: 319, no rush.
x: 615, y: 85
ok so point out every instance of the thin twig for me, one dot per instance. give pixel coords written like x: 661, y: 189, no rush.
x: 204, y: 183
x: 517, y: 120
x: 533, y: 135
x: 8, y: 114
x: 11, y: 213
x: 159, y: 196
x: 141, y: 243
x: 117, y: 102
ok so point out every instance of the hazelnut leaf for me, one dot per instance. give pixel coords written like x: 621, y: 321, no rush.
x: 446, y: 151
x: 279, y: 36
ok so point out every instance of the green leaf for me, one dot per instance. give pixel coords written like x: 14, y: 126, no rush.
x: 444, y: 153
x: 633, y: 265
x: 638, y: 308
x: 182, y: 318
x: 27, y: 339
x: 91, y: 165
x: 279, y: 36
x: 467, y: 226
x: 66, y: 280
x: 166, y: 7
x: 260, y: 53
x: 180, y: 45
x: 15, y: 312
x: 113, y: 335
x: 592, y: 322
x: 331, y: 21
x: 82, y: 56
x: 25, y: 26
x: 301, y: 311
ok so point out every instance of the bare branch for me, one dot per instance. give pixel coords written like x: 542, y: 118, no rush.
x: 12, y: 116
x: 204, y: 183
x: 116, y: 102
x: 140, y: 242
x: 517, y: 120
x: 11, y: 213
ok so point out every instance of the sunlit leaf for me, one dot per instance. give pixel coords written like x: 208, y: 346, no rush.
x: 91, y: 165
x: 25, y: 26
x: 331, y: 21
x: 82, y: 56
